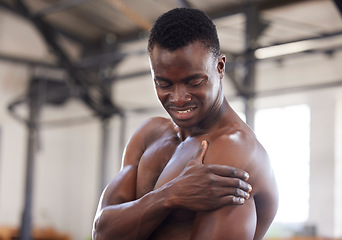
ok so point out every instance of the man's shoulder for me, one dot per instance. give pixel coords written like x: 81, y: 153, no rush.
x: 239, y: 147
x: 234, y: 136
x: 155, y: 127
x: 236, y: 146
x: 150, y: 131
x: 159, y: 120
x: 157, y: 124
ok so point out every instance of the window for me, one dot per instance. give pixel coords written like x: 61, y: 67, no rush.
x: 285, y: 134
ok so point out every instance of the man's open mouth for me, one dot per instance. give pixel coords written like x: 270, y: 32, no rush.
x: 182, y: 113
x: 185, y: 111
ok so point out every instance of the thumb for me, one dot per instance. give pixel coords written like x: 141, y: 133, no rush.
x: 201, y: 151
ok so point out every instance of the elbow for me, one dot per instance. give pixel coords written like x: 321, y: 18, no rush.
x: 98, y: 231
x: 105, y: 228
x: 95, y: 231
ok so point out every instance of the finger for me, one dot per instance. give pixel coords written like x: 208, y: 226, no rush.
x: 227, y: 171
x: 234, y: 186
x: 235, y: 200
x: 239, y: 184
x: 237, y: 192
x: 201, y: 152
x: 231, y: 200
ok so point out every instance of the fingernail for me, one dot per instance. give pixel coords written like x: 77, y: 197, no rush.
x: 246, y: 176
x: 250, y: 188
x: 242, y: 200
x: 247, y: 196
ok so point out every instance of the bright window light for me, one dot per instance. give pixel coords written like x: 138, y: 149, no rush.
x: 285, y: 134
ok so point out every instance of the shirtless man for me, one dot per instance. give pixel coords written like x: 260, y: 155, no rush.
x: 182, y: 178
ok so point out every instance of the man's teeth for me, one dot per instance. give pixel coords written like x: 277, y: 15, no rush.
x: 185, y: 111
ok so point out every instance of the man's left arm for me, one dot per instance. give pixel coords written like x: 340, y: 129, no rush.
x: 228, y: 223
x: 252, y: 219
x: 266, y: 202
x: 244, y: 222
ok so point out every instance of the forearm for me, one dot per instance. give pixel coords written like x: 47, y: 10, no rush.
x: 132, y: 220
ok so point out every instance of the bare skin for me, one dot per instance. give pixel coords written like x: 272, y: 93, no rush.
x: 182, y: 178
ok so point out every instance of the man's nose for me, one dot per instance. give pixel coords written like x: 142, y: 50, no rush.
x: 179, y: 96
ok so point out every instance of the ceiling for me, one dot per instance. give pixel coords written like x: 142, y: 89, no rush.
x: 96, y: 42
x: 94, y: 21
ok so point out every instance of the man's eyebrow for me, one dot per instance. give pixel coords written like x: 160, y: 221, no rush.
x: 195, y: 76
x: 158, y: 78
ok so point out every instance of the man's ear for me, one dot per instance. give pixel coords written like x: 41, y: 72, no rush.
x: 221, y: 64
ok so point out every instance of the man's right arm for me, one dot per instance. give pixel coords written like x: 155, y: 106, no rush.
x: 119, y: 216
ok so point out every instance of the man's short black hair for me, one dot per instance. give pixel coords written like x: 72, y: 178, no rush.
x: 182, y: 26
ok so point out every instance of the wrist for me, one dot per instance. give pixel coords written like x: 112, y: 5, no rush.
x: 169, y: 196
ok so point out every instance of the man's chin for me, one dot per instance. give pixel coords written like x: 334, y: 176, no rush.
x: 184, y: 124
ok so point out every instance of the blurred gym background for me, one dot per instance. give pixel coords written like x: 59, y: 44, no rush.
x: 75, y: 83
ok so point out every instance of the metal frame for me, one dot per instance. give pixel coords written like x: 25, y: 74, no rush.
x: 59, y: 6
x: 35, y: 105
x: 58, y: 30
x: 94, y: 95
x: 253, y: 24
x: 338, y: 4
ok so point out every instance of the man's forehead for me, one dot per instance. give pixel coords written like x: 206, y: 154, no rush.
x: 199, y: 45
x: 196, y: 53
x: 164, y: 63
